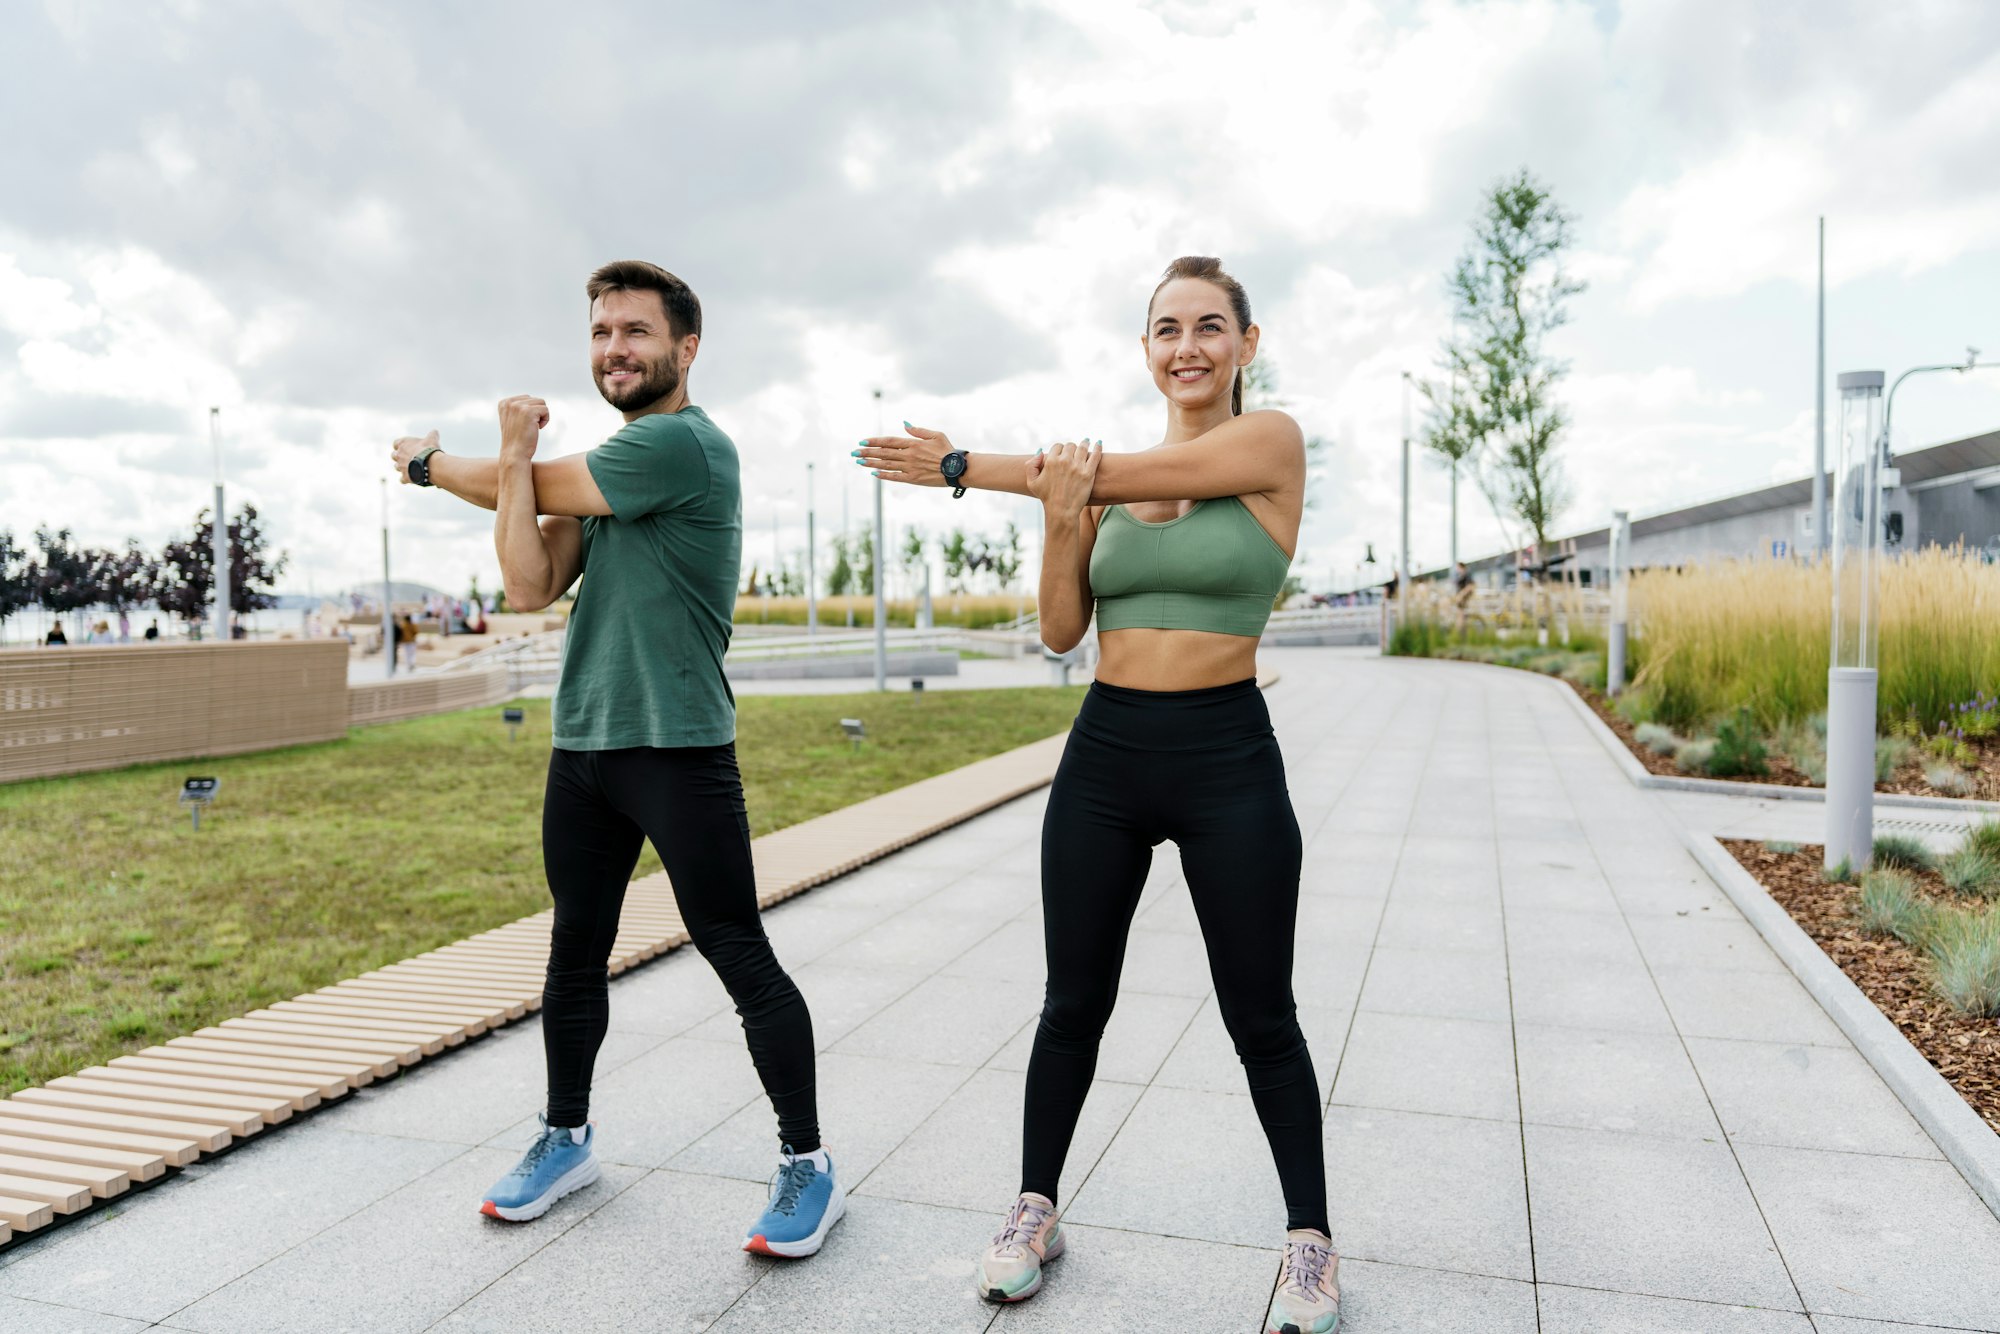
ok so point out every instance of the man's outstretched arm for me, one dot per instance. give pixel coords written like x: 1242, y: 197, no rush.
x: 561, y: 486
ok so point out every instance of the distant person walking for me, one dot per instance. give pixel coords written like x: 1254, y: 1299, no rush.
x: 1183, y: 548
x: 645, y: 727
x: 153, y: 629
x: 406, y: 641
x: 57, y: 639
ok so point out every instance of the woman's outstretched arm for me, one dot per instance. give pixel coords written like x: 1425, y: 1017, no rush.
x: 1259, y: 452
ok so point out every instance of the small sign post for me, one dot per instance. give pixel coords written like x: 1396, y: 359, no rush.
x: 854, y: 730
x: 197, y: 793
x: 513, y: 718
x: 917, y: 687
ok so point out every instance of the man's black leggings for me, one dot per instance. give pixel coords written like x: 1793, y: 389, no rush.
x: 1202, y: 768
x: 601, y: 805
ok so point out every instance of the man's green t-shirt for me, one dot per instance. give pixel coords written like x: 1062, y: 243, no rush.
x: 642, y: 664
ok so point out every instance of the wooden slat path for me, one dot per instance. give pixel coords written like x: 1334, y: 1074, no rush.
x: 90, y: 1135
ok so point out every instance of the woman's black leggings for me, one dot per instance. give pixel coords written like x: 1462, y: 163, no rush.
x: 1202, y: 768
x: 601, y: 805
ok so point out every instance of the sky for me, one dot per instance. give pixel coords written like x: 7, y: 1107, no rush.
x: 345, y: 223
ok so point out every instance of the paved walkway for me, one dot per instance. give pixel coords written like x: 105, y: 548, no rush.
x: 1569, y: 1090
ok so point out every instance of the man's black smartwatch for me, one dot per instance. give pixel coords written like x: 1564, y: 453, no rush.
x: 420, y: 467
x: 953, y: 467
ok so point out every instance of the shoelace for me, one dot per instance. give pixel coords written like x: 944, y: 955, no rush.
x: 789, y: 1183
x: 1022, y: 1224
x: 544, y: 1145
x: 1305, y: 1263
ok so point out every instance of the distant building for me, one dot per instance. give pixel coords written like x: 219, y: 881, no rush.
x: 1945, y: 495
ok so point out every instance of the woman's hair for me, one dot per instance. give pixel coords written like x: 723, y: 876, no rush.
x: 1209, y: 270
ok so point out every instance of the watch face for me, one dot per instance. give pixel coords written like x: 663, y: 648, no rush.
x: 953, y: 466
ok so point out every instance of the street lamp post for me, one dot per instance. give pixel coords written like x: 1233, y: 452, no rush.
x: 220, y: 536
x: 1403, y: 564
x: 812, y: 579
x: 388, y: 615
x: 878, y: 565
x: 1855, y: 533
x: 1621, y: 559
x: 1819, y: 411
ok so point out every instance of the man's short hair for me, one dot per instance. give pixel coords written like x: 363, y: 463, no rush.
x: 636, y: 275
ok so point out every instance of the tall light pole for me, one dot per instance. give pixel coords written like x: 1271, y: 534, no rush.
x: 1621, y: 561
x: 1402, y: 585
x: 388, y: 616
x: 1819, y: 411
x: 1850, y: 676
x: 220, y: 536
x: 812, y: 577
x: 876, y: 567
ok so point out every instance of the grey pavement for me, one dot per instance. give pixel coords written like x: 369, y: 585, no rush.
x: 1568, y: 1089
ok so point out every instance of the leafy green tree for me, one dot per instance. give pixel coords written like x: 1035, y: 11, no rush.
x: 864, y: 561
x: 958, y: 556
x: 1004, y: 556
x: 1509, y: 292
x: 840, y: 575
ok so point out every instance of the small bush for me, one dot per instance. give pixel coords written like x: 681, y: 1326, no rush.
x: 1780, y: 845
x: 1693, y: 756
x: 1660, y: 740
x: 1806, y: 749
x: 1891, y: 753
x: 1986, y: 837
x: 1971, y: 871
x: 1948, y: 779
x: 1903, y: 852
x: 1418, y: 637
x: 1978, y: 716
x: 1890, y: 906
x: 1965, y: 958
x: 1840, y: 873
x: 1739, y: 751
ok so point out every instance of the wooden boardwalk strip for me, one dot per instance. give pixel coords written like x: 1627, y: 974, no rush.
x: 90, y: 1135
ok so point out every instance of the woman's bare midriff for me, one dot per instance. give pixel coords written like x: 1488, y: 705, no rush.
x: 1174, y: 659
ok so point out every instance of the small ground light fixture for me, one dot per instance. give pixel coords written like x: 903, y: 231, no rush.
x: 917, y: 686
x: 854, y: 730
x: 513, y: 718
x: 197, y: 793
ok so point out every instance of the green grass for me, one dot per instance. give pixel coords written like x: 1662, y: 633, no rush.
x: 120, y: 926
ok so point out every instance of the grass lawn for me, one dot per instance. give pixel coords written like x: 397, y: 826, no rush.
x: 120, y: 926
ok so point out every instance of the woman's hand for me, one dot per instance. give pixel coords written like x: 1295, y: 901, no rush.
x: 1062, y: 477
x: 914, y: 458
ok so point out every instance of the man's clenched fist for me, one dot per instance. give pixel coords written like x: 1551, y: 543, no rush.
x: 522, y: 418
x: 407, y: 448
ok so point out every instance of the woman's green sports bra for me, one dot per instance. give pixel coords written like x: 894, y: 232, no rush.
x: 1214, y: 568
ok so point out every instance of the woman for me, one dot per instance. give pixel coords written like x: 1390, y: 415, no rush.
x: 1183, y: 548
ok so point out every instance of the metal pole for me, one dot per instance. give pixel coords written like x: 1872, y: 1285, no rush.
x: 812, y: 578
x: 875, y: 572
x: 1819, y: 412
x: 220, y: 537
x: 1403, y: 583
x: 1851, y: 670
x: 388, y: 616
x: 1454, y: 518
x: 844, y: 489
x: 1621, y: 558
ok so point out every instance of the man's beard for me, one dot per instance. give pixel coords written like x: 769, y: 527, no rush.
x: 660, y: 379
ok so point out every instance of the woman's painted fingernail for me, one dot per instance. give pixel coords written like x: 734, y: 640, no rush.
x: 907, y: 426
x: 854, y: 453
x: 874, y: 473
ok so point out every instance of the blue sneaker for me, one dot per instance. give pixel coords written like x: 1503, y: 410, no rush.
x: 556, y: 1164
x: 805, y: 1204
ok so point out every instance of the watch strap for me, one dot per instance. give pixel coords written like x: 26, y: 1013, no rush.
x: 420, y: 466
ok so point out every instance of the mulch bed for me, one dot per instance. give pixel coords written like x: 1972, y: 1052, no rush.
x: 1908, y: 779
x: 1966, y: 1051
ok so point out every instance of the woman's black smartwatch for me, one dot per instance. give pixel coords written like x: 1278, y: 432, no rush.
x: 952, y: 466
x: 420, y: 466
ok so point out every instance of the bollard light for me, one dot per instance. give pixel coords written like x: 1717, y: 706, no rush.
x: 854, y: 731
x: 1621, y: 561
x: 1854, y: 532
x: 197, y: 793
x: 513, y: 718
x: 917, y: 686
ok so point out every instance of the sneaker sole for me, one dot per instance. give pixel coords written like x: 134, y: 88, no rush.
x: 836, y: 1209
x: 999, y: 1295
x: 1289, y: 1328
x: 583, y: 1174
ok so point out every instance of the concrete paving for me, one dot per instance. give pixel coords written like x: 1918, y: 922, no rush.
x: 1568, y: 1089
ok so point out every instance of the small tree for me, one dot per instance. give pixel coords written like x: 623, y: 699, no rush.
x: 66, y: 575
x: 1004, y: 557
x: 253, y: 571
x: 864, y: 561
x: 1260, y: 390
x: 958, y: 556
x: 839, y: 575
x: 1509, y: 293
x: 17, y: 588
x: 128, y: 578
x: 186, y: 581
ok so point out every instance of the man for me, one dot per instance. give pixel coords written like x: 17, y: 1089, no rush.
x: 645, y: 726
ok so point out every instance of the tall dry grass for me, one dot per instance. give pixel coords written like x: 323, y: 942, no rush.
x: 1711, y: 639
x: 966, y: 610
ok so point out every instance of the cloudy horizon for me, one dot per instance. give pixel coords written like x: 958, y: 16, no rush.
x: 343, y: 226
